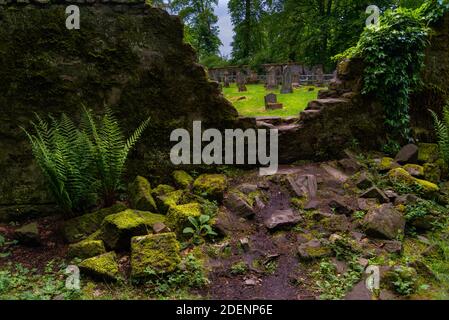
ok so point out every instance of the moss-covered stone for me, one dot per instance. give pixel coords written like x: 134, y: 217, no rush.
x: 387, y: 164
x: 162, y: 189
x: 86, y: 249
x: 165, y: 201
x: 414, y: 169
x: 104, y: 266
x: 427, y: 188
x: 177, y: 216
x: 157, y: 252
x: 313, y: 249
x: 118, y: 229
x: 210, y: 186
x: 182, y: 179
x: 432, y: 172
x: 79, y: 228
x: 427, y: 152
x: 28, y: 234
x: 400, y: 175
x: 140, y: 195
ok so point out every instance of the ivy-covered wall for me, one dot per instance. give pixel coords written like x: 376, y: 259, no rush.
x: 130, y: 57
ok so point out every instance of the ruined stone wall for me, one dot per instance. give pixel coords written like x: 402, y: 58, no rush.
x: 126, y: 55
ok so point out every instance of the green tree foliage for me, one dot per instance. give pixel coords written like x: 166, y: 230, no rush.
x: 202, y: 31
x: 81, y: 162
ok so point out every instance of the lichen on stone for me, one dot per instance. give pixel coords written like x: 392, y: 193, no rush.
x: 140, y: 195
x: 86, y: 249
x: 177, y: 216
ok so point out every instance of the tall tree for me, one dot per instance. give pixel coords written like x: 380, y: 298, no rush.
x: 202, y: 31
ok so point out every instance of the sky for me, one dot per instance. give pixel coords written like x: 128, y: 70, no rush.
x: 225, y: 25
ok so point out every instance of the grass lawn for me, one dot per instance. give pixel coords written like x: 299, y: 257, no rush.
x: 254, y: 105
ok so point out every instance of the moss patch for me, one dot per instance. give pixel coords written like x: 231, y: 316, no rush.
x: 177, y: 216
x: 104, y: 266
x: 86, y: 249
x: 140, y: 195
x: 210, y: 186
x: 182, y: 179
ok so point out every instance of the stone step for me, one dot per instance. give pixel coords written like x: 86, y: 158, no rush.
x: 325, y: 103
x: 309, y: 114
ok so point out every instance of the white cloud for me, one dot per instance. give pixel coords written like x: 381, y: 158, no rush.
x: 225, y: 25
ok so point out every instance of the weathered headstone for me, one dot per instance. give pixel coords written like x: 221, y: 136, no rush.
x: 319, y: 74
x: 241, y: 81
x: 287, y: 80
x: 271, y: 79
x: 271, y: 102
x: 226, y: 80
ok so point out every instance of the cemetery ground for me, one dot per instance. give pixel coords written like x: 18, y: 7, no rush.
x: 251, y: 103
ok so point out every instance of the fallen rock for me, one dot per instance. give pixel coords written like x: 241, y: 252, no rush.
x: 81, y: 227
x: 238, y: 205
x: 247, y: 188
x: 118, y: 229
x: 375, y: 193
x: 303, y: 186
x: 28, y: 235
x: 282, y: 219
x: 340, y: 207
x: 414, y: 169
x: 363, y: 182
x: 314, y: 249
x: 312, y: 205
x: 165, y: 201
x: 408, y: 154
x: 392, y: 246
x: 140, y: 197
x: 162, y: 189
x: 349, y: 165
x: 156, y: 252
x: 406, y: 199
x: 86, y: 249
x: 384, y: 222
x: 104, y: 266
x: 428, y: 152
x: 160, y: 227
x: 432, y: 172
x: 178, y: 216
x: 210, y: 186
x: 336, y: 222
x: 182, y: 179
x: 386, y: 164
x: 366, y: 204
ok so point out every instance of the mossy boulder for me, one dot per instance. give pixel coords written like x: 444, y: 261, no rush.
x: 313, y: 249
x: 384, y: 222
x: 387, y: 164
x: 427, y: 188
x: 118, y: 229
x: 178, y: 216
x: 414, y: 169
x: 182, y: 179
x: 104, y: 266
x: 79, y: 228
x: 162, y: 189
x: 140, y: 195
x: 86, y: 249
x: 157, y: 252
x: 165, y: 201
x: 427, y: 152
x: 432, y: 172
x: 210, y: 186
x: 28, y: 235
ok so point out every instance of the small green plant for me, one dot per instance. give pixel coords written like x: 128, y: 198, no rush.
x: 81, y: 162
x: 200, y: 228
x: 359, y: 215
x: 404, y: 280
x: 190, y: 274
x: 239, y: 268
x: 442, y: 131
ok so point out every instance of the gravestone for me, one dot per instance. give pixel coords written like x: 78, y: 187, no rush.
x: 287, y: 80
x: 271, y: 79
x: 271, y: 102
x: 319, y: 77
x: 226, y: 79
x: 241, y: 81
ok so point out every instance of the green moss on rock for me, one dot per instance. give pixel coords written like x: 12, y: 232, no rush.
x: 414, y: 169
x: 401, y: 175
x: 140, y: 195
x: 432, y: 172
x: 428, y: 152
x: 210, y: 186
x: 79, y: 228
x: 177, y: 216
x: 157, y: 252
x: 386, y: 164
x: 119, y: 228
x: 86, y: 249
x: 164, y: 202
x: 182, y: 179
x: 104, y: 266
x: 162, y: 189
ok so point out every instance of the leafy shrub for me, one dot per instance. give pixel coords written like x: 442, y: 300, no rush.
x: 442, y: 130
x: 80, y: 163
x: 200, y: 228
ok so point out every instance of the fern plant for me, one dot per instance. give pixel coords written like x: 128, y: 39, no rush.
x: 81, y: 163
x: 65, y: 156
x: 442, y: 131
